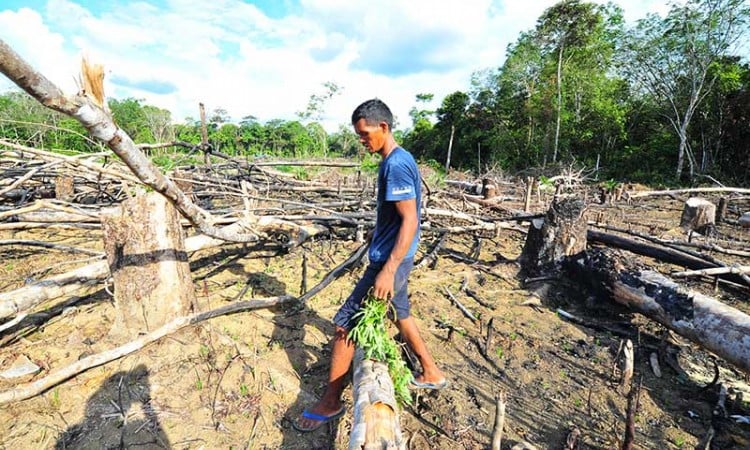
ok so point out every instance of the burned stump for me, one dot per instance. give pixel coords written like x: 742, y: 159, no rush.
x: 561, y: 233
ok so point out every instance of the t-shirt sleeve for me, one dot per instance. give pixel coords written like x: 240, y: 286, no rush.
x: 400, y: 182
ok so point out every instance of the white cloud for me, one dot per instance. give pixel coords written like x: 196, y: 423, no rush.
x: 25, y: 32
x: 228, y: 54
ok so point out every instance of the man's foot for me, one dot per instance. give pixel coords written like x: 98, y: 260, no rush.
x: 316, y: 418
x: 420, y: 382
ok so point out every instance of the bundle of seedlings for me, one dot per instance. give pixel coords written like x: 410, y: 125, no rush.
x: 371, y: 335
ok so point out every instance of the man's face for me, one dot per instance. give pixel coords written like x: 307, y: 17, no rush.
x: 371, y: 136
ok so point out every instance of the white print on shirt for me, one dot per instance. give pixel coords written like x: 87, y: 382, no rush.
x: 401, y: 190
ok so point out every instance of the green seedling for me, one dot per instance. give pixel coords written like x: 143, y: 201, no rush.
x: 56, y: 398
x: 198, y: 381
x: 372, y: 336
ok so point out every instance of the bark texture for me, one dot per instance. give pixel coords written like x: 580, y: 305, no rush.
x: 698, y: 214
x: 704, y: 320
x: 561, y: 233
x: 376, y: 424
x: 146, y: 254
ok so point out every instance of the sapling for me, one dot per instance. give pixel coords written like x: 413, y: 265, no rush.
x: 371, y: 335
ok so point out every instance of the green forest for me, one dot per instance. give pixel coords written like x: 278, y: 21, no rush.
x: 665, y: 100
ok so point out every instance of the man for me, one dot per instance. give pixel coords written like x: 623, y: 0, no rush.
x: 391, y: 253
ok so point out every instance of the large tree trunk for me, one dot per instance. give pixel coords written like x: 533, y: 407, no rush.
x: 146, y: 254
x: 561, y: 233
x: 376, y: 424
x: 704, y: 320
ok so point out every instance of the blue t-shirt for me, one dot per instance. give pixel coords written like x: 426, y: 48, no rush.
x: 398, y: 179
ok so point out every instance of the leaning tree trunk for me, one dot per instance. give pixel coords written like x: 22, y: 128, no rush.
x: 89, y: 108
x: 376, y: 425
x: 146, y: 254
x: 704, y: 320
x: 561, y: 233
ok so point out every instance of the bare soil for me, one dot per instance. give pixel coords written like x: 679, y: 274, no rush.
x: 237, y: 382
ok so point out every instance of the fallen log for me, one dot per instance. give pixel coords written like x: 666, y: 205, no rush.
x: 376, y: 424
x: 28, y: 390
x: 706, y: 321
x: 27, y: 297
x: 661, y: 253
x: 673, y: 243
x: 687, y: 191
x: 715, y: 271
x: 32, y: 389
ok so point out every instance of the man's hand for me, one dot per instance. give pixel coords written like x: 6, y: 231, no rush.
x: 383, y: 287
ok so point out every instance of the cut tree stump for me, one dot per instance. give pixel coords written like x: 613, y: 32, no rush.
x: 699, y: 215
x: 706, y: 321
x: 376, y: 423
x: 146, y: 254
x: 561, y: 233
x: 489, y: 190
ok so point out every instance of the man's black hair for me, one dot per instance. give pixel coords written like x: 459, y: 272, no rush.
x: 373, y: 111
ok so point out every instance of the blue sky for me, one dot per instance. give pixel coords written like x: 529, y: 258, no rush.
x: 267, y: 57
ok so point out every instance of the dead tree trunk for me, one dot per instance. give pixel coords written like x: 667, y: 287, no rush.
x: 147, y: 259
x: 704, y: 320
x: 662, y: 253
x: 562, y: 232
x: 376, y: 424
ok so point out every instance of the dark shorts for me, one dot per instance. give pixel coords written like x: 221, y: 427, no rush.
x: 400, y: 300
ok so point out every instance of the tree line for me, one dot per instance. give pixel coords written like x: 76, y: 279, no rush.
x: 665, y: 100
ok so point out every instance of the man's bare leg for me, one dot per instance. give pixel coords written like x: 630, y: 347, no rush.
x: 430, y: 371
x: 342, y: 353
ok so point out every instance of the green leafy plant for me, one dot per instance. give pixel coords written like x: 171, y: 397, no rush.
x: 372, y: 336
x: 370, y: 164
x: 610, y: 184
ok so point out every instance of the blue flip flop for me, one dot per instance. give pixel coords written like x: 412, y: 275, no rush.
x: 321, y: 419
x: 414, y: 384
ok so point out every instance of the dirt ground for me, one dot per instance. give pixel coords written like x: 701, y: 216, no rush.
x: 236, y: 382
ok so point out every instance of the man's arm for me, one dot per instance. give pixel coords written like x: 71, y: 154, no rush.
x: 407, y: 210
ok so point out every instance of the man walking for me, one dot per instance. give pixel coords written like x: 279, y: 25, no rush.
x: 391, y: 254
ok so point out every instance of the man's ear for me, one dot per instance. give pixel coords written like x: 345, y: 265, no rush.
x: 384, y: 127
